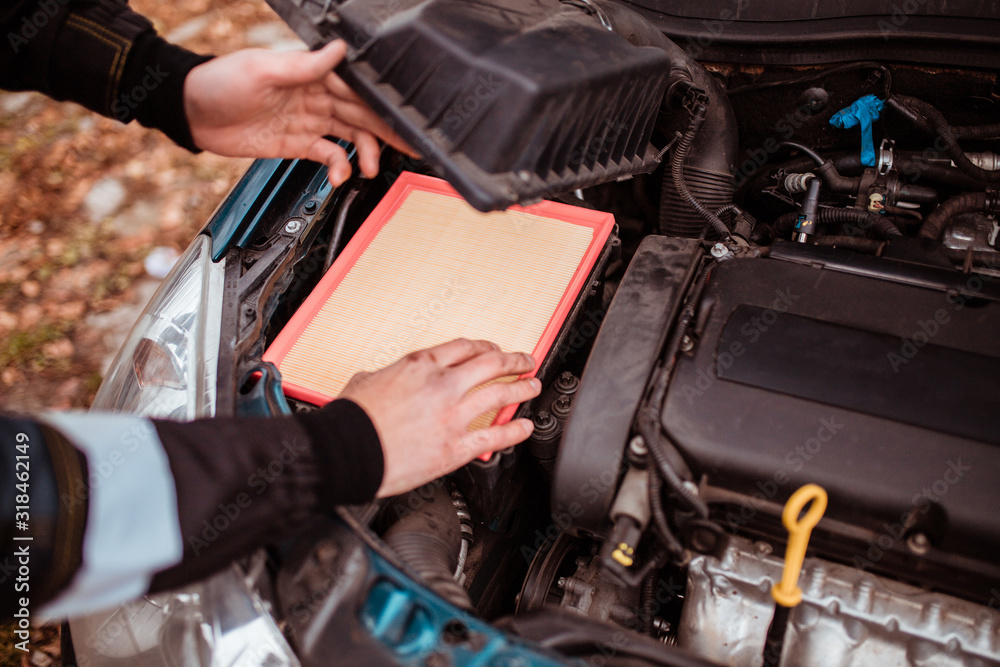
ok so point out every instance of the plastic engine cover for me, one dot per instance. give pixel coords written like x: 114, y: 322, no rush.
x: 511, y: 101
x: 802, y: 374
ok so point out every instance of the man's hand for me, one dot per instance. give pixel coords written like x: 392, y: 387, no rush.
x: 258, y: 103
x: 422, y: 408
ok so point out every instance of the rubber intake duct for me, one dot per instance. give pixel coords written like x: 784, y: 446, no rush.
x: 428, y: 537
x: 708, y: 155
x: 511, y: 100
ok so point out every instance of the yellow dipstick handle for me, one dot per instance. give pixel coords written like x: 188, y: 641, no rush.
x: 787, y: 593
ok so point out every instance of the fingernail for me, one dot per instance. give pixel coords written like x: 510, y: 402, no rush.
x: 529, y: 359
x: 535, y: 383
x: 528, y: 426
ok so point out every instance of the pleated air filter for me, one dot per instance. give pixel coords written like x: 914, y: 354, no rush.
x: 426, y: 268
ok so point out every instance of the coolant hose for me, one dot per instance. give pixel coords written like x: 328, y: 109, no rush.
x: 967, y: 202
x: 880, y: 226
x: 912, y: 166
x: 910, y: 107
x: 429, y: 539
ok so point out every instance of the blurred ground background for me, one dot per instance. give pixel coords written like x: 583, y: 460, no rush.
x: 83, y: 201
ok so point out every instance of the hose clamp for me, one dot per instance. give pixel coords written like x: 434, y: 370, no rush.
x: 885, y: 158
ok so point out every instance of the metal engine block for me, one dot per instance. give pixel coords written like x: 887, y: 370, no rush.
x: 847, y: 616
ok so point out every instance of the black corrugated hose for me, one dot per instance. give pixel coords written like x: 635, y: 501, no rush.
x: 647, y: 602
x: 429, y: 539
x: 976, y: 132
x: 659, y: 516
x: 649, y: 414
x: 680, y: 152
x: 967, y: 202
x: 912, y: 109
x: 880, y: 226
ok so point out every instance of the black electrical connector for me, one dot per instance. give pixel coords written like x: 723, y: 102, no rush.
x: 806, y: 224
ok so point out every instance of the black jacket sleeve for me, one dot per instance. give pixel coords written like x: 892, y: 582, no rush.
x: 233, y: 485
x: 261, y: 477
x: 98, y: 53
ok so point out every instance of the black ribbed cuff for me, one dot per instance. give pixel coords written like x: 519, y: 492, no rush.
x: 71, y: 473
x: 152, y: 87
x: 39, y: 463
x: 347, y: 451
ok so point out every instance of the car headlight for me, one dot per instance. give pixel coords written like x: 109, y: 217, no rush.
x: 167, y: 366
x: 167, y: 369
x: 218, y: 622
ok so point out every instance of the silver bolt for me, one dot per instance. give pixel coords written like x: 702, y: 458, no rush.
x: 561, y: 582
x: 687, y: 343
x: 691, y: 486
x: 719, y: 250
x: 918, y: 544
x: 293, y: 226
x: 637, y: 446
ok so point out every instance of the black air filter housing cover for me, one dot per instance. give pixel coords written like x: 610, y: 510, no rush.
x: 511, y: 100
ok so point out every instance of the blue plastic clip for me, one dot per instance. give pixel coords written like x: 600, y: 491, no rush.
x: 862, y: 112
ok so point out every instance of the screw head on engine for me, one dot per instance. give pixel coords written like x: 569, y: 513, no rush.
x: 918, y: 543
x: 567, y: 383
x: 719, y: 251
x: 637, y: 446
x: 546, y: 426
x: 561, y: 406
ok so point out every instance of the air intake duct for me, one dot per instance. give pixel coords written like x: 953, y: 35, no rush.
x: 708, y: 167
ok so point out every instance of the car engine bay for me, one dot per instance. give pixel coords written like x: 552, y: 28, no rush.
x: 787, y: 300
